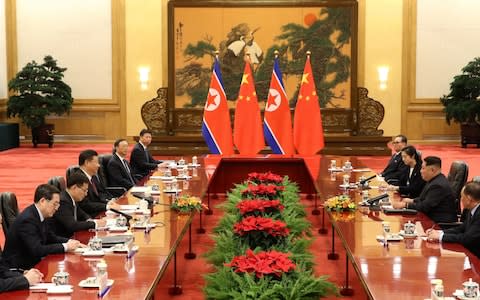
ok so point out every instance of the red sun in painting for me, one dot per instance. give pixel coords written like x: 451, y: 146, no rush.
x: 309, y: 19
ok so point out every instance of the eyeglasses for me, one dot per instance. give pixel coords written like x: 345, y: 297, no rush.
x: 55, y: 204
x: 85, y: 190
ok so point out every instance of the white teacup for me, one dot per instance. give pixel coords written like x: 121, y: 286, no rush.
x: 409, y: 228
x: 347, y: 165
x: 470, y: 289
x: 60, y: 278
x: 346, y: 180
x: 333, y: 164
x: 386, y: 227
x: 121, y: 221
x: 95, y: 243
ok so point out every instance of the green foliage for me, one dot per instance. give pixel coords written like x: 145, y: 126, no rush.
x: 299, y: 284
x: 462, y: 104
x: 38, y: 92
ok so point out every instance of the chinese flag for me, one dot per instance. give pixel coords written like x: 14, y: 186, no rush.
x: 216, y: 128
x: 278, y: 122
x: 247, y: 128
x: 307, y: 124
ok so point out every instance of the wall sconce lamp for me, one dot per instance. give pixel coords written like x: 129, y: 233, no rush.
x: 143, y: 74
x: 383, y: 76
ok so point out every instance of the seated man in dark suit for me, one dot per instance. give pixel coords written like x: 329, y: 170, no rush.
x: 70, y: 217
x: 98, y: 199
x: 436, y: 199
x: 468, y: 233
x: 119, y: 170
x: 29, y: 238
x: 396, y: 167
x: 17, y: 280
x: 141, y: 160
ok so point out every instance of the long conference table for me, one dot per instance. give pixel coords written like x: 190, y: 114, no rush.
x: 402, y: 270
x: 135, y: 277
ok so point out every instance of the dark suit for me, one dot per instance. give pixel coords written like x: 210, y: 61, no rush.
x: 467, y: 234
x: 11, y: 280
x: 142, y: 161
x: 118, y: 175
x: 96, y: 200
x: 411, y: 185
x: 437, y: 200
x: 395, y: 168
x: 63, y: 221
x: 29, y: 240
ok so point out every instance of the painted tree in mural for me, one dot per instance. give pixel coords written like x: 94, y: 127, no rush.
x: 324, y: 35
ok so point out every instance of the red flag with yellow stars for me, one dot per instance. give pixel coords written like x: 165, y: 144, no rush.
x: 307, y: 124
x: 247, y: 128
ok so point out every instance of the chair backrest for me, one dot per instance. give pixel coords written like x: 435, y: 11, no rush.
x: 8, y: 209
x: 59, y: 182
x: 457, y: 177
x: 103, y: 160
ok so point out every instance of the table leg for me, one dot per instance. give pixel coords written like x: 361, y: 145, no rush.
x: 323, y: 229
x: 190, y: 254
x: 175, y: 289
x: 201, y: 229
x: 332, y: 255
x: 209, y: 210
x: 346, y: 290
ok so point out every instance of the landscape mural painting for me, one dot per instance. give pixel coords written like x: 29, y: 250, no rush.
x: 199, y: 32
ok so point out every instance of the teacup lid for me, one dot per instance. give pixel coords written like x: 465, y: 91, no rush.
x: 470, y: 282
x: 61, y: 273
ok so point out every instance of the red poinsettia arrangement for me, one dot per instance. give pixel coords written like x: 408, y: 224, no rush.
x: 267, y: 191
x: 266, y: 178
x: 256, y: 206
x: 267, y: 225
x: 263, y: 263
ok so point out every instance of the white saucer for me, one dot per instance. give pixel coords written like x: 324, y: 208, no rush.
x: 335, y: 169
x: 121, y: 248
x: 184, y: 177
x: 402, y: 233
x: 118, y: 228
x: 60, y: 289
x: 349, y: 186
x: 93, y: 253
x: 460, y: 295
x: 391, y: 238
x: 190, y: 165
x: 90, y: 282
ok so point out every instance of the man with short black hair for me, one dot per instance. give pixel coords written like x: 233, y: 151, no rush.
x: 141, y: 160
x: 98, y: 198
x: 30, y: 239
x: 396, y: 167
x: 70, y: 217
x: 468, y: 233
x: 119, y: 170
x: 436, y: 199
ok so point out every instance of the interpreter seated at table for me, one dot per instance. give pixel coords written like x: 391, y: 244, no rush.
x: 119, y: 170
x: 141, y: 160
x: 436, y: 199
x: 395, y: 167
x: 411, y: 182
x: 98, y: 199
x: 70, y: 217
x: 468, y: 233
x: 29, y: 239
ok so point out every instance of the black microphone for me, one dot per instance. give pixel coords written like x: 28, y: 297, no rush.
x: 362, y: 182
x: 129, y: 217
x: 376, y: 199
